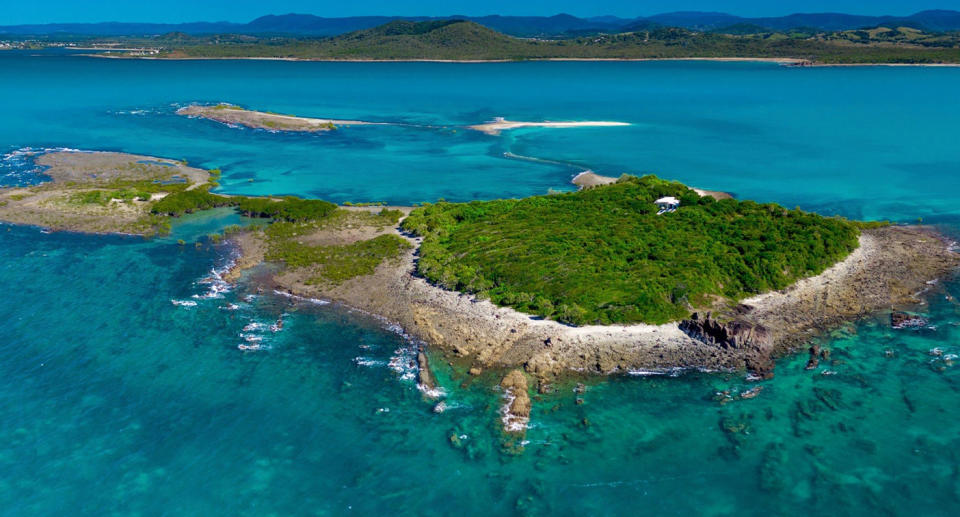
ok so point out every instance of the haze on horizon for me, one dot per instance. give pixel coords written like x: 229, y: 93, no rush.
x: 241, y: 11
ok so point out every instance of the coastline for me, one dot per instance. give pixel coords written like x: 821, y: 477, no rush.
x: 784, y: 61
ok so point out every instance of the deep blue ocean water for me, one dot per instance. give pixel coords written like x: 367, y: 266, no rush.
x: 123, y: 391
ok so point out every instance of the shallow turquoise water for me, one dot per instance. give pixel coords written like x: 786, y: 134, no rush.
x: 115, y: 400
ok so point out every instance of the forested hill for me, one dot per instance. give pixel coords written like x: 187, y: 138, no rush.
x: 605, y: 255
x: 466, y: 40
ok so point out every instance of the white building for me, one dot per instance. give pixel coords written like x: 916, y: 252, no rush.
x: 667, y: 204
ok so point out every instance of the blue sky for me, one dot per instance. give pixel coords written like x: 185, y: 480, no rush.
x: 46, y: 11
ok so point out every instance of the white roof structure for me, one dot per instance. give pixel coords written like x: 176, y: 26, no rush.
x: 669, y: 200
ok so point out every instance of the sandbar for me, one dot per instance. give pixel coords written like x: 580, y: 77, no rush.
x: 501, y: 124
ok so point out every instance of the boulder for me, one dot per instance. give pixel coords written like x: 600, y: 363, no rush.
x: 903, y: 320
x: 426, y: 377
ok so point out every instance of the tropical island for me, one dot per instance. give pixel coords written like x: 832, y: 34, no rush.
x: 630, y: 274
x: 601, y: 281
x: 464, y: 40
x: 633, y: 275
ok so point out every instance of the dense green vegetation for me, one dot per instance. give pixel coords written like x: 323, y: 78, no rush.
x: 288, y: 208
x: 188, y: 201
x: 604, y: 255
x: 465, y: 40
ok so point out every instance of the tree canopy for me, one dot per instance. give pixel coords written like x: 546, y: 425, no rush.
x: 604, y: 255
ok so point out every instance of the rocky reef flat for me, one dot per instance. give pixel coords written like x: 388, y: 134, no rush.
x: 98, y: 192
x: 235, y: 115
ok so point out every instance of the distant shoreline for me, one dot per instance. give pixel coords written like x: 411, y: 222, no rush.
x: 784, y: 61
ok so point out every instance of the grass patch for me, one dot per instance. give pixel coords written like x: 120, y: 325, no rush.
x: 336, y: 264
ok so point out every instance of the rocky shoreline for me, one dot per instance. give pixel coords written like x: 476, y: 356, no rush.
x: 892, y: 266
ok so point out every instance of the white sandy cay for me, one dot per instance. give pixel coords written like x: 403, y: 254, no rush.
x: 501, y: 124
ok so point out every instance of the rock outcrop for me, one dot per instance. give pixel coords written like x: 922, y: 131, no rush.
x: 516, y: 411
x: 902, y: 320
x: 731, y: 334
x: 427, y: 382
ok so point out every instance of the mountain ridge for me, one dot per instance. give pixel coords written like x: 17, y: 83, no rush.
x: 562, y: 24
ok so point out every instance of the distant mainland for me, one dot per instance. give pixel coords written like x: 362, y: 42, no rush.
x: 467, y: 41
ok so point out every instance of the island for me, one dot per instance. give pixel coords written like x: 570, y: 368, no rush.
x: 632, y: 275
x: 607, y: 279
x: 235, y: 115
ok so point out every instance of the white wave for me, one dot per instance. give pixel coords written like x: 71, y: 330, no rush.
x: 512, y: 423
x: 672, y: 372
x: 184, y: 303
x: 404, y: 362
x: 315, y: 301
x: 433, y: 393
x: 366, y: 361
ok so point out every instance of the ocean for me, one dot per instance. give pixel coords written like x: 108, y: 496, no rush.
x: 124, y: 391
